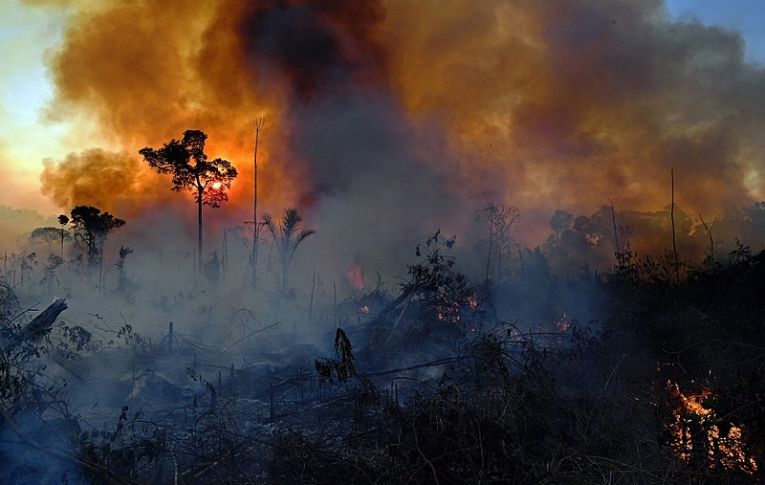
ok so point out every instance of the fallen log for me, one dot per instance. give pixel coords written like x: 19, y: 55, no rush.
x: 42, y: 323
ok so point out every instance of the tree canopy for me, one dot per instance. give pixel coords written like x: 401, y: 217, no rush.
x: 287, y: 236
x: 187, y: 163
x: 190, y: 168
x: 92, y: 227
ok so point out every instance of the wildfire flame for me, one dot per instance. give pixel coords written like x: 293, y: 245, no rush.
x: 563, y: 323
x: 355, y: 276
x: 728, y: 450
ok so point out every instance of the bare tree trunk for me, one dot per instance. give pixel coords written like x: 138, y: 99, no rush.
x: 616, y: 233
x: 259, y: 124
x: 285, y: 259
x: 499, y: 261
x: 672, y: 217
x: 334, y: 299
x: 101, y: 267
x: 284, y: 275
x: 224, y: 257
x: 42, y: 323
x: 199, y: 233
x: 488, y: 255
x: 310, y: 304
x: 255, y: 211
x: 708, y: 228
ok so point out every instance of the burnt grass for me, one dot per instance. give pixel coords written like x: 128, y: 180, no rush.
x: 433, y: 388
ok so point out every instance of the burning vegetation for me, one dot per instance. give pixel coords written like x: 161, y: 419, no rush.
x: 317, y: 327
x: 695, y: 423
x: 427, y: 380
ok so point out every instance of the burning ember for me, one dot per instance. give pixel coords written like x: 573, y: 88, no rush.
x: 563, y: 323
x: 694, y: 427
x: 355, y: 276
x: 451, y: 317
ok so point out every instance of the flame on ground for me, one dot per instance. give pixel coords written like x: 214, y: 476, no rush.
x: 694, y: 425
x: 563, y: 324
x: 355, y: 276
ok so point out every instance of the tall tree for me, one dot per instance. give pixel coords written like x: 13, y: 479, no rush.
x: 498, y: 219
x: 259, y: 124
x: 287, y: 237
x: 63, y: 220
x: 92, y: 227
x: 191, y: 170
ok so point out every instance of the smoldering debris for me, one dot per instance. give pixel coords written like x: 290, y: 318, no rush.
x: 420, y: 379
x: 319, y: 327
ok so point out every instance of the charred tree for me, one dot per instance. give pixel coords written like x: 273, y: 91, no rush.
x: 674, y: 238
x: 499, y: 219
x: 63, y: 220
x: 188, y: 164
x: 259, y: 124
x: 708, y: 227
x: 92, y: 227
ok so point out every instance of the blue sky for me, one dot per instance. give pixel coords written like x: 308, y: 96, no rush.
x: 746, y: 16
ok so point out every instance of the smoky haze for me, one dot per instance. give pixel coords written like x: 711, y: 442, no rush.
x: 528, y: 202
x: 400, y: 117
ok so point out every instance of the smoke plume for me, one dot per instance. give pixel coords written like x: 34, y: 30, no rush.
x: 391, y: 113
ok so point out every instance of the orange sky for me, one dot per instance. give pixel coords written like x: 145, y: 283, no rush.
x: 536, y: 104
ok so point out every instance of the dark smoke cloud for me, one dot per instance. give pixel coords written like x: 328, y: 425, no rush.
x: 375, y: 197
x: 582, y: 101
x: 537, y: 104
x: 314, y: 44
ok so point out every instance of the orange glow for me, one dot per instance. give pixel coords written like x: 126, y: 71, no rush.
x: 730, y: 454
x: 355, y: 276
x: 540, y: 105
x: 563, y: 323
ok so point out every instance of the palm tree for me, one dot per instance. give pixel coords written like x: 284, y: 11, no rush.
x: 287, y: 237
x: 63, y: 220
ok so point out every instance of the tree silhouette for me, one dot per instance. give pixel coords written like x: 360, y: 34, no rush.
x: 499, y: 219
x: 191, y: 170
x: 287, y: 237
x: 92, y: 227
x: 49, y: 235
x: 259, y: 124
x: 560, y: 221
x: 124, y: 285
x: 63, y: 220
